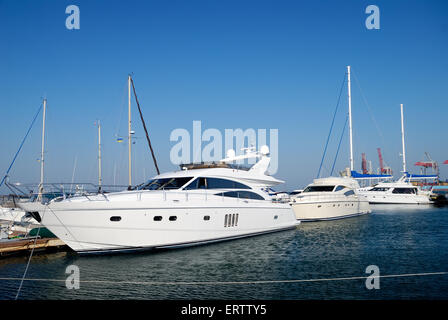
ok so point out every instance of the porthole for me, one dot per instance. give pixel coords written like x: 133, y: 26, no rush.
x: 158, y: 218
x: 275, y: 217
x: 115, y: 218
x: 206, y: 218
x: 173, y: 218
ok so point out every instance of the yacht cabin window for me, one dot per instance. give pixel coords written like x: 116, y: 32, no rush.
x: 241, y: 195
x: 214, y: 183
x: 349, y: 193
x: 164, y: 184
x: 318, y: 189
x: 379, y: 189
x: 339, y: 188
x: 405, y: 190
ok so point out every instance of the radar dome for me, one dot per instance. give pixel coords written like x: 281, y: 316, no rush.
x: 264, y: 150
x: 230, y: 153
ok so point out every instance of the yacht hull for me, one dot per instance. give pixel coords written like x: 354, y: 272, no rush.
x: 111, y: 228
x: 329, y: 210
x: 396, y: 198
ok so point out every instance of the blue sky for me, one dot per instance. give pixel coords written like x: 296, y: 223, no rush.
x: 231, y: 64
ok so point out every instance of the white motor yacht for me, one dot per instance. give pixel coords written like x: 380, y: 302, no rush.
x: 328, y: 199
x: 398, y: 192
x: 401, y: 191
x: 11, y: 214
x: 201, y: 203
x: 15, y: 215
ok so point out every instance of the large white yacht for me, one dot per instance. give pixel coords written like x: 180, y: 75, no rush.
x: 328, y: 199
x: 199, y: 204
x: 397, y: 192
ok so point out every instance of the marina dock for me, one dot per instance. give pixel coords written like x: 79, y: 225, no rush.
x: 18, y: 246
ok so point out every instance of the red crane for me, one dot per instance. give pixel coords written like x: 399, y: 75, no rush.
x: 428, y: 164
x: 364, y: 164
x: 384, y: 169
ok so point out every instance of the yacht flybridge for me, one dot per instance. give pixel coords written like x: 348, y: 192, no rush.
x: 201, y: 203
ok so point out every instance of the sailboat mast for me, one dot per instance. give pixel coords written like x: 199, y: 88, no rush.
x: 129, y: 128
x: 41, y: 184
x: 99, y: 157
x: 402, y: 139
x: 350, y: 118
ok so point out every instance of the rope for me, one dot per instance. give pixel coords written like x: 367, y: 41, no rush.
x: 21, y: 145
x: 339, y: 145
x: 192, y: 283
x: 331, y: 127
x: 369, y: 110
x: 29, y: 260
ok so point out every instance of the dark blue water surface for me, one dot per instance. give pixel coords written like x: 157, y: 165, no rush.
x: 399, y: 240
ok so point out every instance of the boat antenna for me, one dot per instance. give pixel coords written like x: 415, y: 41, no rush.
x: 99, y: 156
x: 41, y: 184
x: 402, y: 140
x: 144, y: 127
x: 350, y: 118
x: 129, y: 130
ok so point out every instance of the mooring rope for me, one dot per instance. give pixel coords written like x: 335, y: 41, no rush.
x: 29, y: 259
x: 193, y: 283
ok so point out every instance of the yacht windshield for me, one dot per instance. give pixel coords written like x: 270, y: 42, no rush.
x: 319, y: 189
x: 164, y: 184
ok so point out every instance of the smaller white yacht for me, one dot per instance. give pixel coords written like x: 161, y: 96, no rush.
x: 328, y: 199
x: 15, y: 215
x: 397, y: 192
x: 11, y: 214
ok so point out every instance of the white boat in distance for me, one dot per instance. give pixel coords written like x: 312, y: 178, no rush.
x: 11, y: 214
x: 333, y: 197
x: 202, y: 203
x: 401, y: 191
x: 398, y: 192
x: 328, y: 199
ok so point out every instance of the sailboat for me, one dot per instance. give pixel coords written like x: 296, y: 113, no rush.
x: 333, y: 197
x: 401, y: 191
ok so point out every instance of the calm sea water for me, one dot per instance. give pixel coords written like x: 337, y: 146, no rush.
x: 398, y: 240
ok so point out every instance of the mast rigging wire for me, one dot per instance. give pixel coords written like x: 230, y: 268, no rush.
x: 144, y: 127
x: 331, y: 127
x: 339, y: 145
x: 21, y: 145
